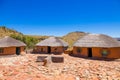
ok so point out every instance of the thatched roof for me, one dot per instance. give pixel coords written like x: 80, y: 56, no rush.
x: 52, y: 41
x: 97, y: 40
x: 8, y: 42
x: 117, y: 39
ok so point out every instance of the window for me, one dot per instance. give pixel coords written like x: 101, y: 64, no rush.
x: 79, y: 50
x: 105, y: 52
x: 1, y: 50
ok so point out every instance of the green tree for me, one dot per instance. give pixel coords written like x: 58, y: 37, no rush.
x: 29, y: 41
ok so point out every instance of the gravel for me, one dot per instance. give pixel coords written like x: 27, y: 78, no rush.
x: 26, y: 68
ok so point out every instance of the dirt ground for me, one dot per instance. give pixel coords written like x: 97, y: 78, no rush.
x: 25, y: 67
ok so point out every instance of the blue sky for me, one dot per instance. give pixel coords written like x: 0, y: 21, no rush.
x: 59, y: 17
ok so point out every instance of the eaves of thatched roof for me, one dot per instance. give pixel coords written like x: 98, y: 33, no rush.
x: 52, y: 41
x: 10, y: 42
x: 97, y: 40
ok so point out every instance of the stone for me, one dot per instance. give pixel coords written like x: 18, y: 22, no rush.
x: 77, y: 78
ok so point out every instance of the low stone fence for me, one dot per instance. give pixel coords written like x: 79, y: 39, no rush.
x: 54, y: 59
x: 57, y: 59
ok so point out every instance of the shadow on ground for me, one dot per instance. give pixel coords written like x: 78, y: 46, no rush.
x: 95, y: 58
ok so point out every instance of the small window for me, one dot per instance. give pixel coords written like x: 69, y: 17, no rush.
x: 104, y: 52
x: 1, y: 50
x: 79, y: 50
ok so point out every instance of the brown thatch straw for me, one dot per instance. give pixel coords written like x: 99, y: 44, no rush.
x: 52, y: 41
x: 97, y: 40
x: 10, y: 42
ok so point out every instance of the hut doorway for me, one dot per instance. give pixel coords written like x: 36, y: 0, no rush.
x: 89, y: 52
x: 18, y: 50
x: 49, y: 49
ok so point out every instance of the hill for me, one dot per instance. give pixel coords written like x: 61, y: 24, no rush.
x: 73, y: 36
x: 28, y: 40
x: 4, y: 31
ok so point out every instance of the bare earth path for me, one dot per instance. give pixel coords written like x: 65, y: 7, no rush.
x: 25, y: 67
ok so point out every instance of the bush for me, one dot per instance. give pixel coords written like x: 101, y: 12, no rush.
x: 29, y: 41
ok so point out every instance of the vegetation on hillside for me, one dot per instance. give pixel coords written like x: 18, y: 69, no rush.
x: 39, y: 37
x: 4, y: 31
x: 29, y: 41
x: 72, y: 37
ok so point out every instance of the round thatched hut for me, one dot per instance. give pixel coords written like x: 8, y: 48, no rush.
x: 9, y: 45
x: 97, y: 45
x: 51, y: 45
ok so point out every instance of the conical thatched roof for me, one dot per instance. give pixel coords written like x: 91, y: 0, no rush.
x: 97, y: 40
x: 8, y: 42
x: 52, y: 41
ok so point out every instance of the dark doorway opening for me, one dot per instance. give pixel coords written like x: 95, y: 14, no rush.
x: 49, y: 49
x: 41, y: 49
x: 18, y: 50
x: 89, y: 52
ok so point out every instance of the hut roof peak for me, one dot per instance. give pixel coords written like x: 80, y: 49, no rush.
x: 95, y: 34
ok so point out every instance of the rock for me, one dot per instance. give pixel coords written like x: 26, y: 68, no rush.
x: 1, y: 75
x: 64, y: 70
x: 77, y: 78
